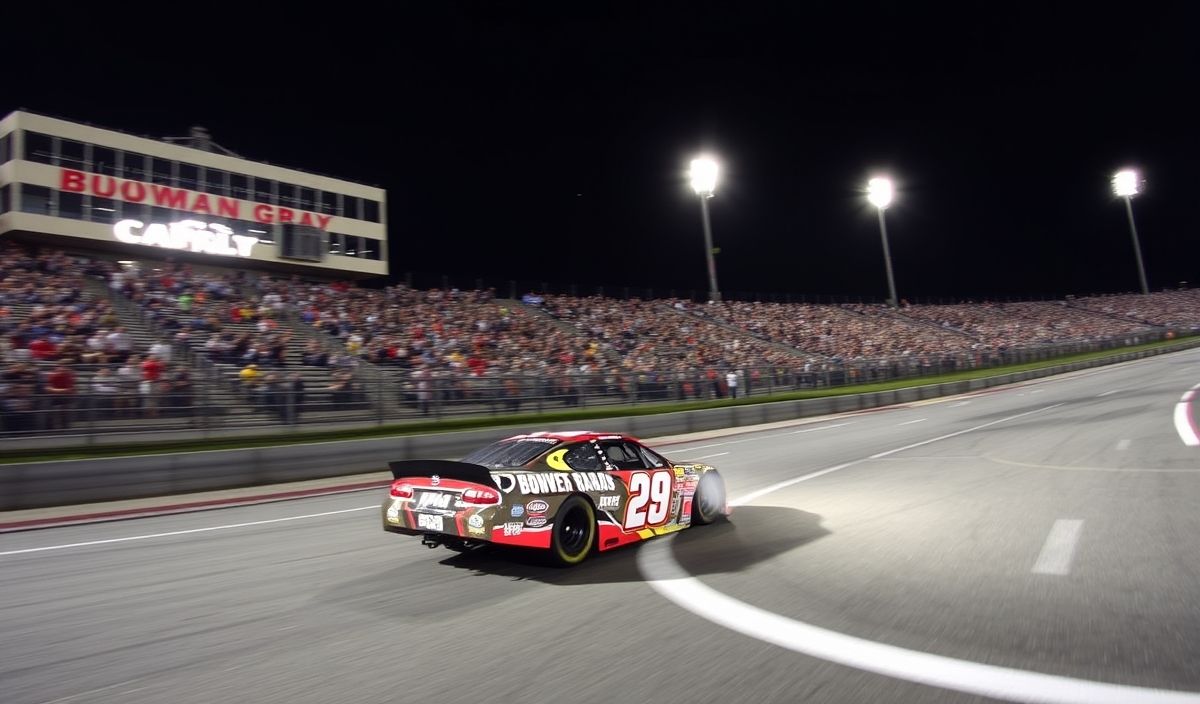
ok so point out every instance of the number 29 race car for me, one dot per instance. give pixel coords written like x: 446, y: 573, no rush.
x: 567, y: 493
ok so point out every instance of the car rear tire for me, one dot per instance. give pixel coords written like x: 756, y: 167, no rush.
x: 708, y: 504
x: 574, y: 532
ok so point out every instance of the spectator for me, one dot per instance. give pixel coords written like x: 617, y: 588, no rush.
x: 149, y: 388
x: 60, y: 384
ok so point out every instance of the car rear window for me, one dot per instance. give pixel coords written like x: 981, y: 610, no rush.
x: 508, y: 453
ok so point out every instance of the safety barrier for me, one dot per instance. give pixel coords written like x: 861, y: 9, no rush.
x: 65, y: 482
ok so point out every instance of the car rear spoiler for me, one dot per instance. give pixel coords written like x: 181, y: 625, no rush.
x: 446, y: 469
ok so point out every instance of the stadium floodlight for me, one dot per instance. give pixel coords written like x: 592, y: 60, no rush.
x: 704, y: 176
x: 880, y: 193
x: 704, y: 182
x: 1126, y: 184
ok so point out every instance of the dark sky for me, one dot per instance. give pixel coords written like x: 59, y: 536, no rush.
x: 548, y: 142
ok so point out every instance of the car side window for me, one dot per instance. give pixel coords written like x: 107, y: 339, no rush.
x: 651, y: 458
x: 583, y: 457
x: 623, y: 455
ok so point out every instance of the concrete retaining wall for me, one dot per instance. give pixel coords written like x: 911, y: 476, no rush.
x: 39, y: 484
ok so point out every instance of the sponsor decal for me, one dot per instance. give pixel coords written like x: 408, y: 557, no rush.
x: 548, y: 441
x: 562, y: 483
x: 433, y: 500
x: 609, y: 502
x: 435, y: 480
x: 74, y: 181
x: 476, y: 530
x: 475, y: 521
x: 537, y: 507
x: 511, y: 529
x: 536, y: 521
x: 429, y: 521
x: 506, y: 482
x: 517, y: 511
x: 393, y: 513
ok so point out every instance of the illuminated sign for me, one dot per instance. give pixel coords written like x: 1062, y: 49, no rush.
x: 192, y: 235
x: 178, y: 199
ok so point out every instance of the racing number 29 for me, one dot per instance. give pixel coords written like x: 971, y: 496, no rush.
x: 649, y: 496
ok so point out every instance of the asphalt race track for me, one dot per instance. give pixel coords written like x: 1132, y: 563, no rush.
x: 953, y: 550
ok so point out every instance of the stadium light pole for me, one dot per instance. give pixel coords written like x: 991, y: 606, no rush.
x: 704, y: 182
x: 1126, y: 184
x: 879, y: 192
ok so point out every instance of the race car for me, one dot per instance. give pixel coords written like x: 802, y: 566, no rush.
x: 567, y: 493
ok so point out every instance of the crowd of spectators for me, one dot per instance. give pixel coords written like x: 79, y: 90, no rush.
x: 1022, y: 324
x: 1177, y: 309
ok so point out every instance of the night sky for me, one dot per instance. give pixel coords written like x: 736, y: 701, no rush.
x: 549, y: 142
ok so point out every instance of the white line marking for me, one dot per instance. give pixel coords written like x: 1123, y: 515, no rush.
x: 910, y: 422
x: 1123, y: 444
x: 959, y: 404
x: 700, y: 447
x: 823, y: 427
x: 1184, y: 425
x: 1188, y: 395
x: 1056, y: 554
x: 747, y: 498
x: 1106, y: 393
x: 184, y: 532
x: 663, y: 574
x: 705, y: 457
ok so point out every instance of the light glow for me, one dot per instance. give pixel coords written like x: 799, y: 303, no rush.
x: 1125, y: 183
x: 704, y: 176
x: 879, y: 192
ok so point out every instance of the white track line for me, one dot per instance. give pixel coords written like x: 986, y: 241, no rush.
x: 910, y: 422
x: 183, y: 532
x: 1184, y: 425
x: 747, y: 498
x: 1056, y: 554
x: 823, y: 427
x: 705, y: 457
x: 663, y: 574
x: 1106, y: 393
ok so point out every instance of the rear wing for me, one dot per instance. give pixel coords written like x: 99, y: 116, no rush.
x: 446, y: 469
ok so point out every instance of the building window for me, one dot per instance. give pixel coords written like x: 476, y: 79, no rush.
x: 134, y: 165
x: 287, y: 195
x: 371, y: 210
x: 308, y: 199
x: 103, y: 210
x: 5, y: 195
x: 187, y: 176
x: 5, y: 147
x: 35, y: 199
x: 215, y: 183
x: 161, y: 172
x: 350, y: 207
x: 351, y: 246
x: 70, y: 154
x: 103, y: 161
x: 335, y: 243
x: 39, y: 148
x: 264, y: 190
x: 239, y: 186
x: 328, y: 204
x: 70, y: 205
x: 265, y: 233
x: 164, y: 215
x: 132, y: 211
x: 370, y: 249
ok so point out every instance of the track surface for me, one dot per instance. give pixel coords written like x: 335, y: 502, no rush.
x: 1063, y: 541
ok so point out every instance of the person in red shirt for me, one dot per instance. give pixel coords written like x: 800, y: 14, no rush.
x: 152, y: 371
x: 60, y: 383
x: 42, y: 349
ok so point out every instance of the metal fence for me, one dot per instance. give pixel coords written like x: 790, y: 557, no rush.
x: 209, y: 399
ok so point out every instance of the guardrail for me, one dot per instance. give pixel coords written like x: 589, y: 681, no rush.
x: 55, y: 483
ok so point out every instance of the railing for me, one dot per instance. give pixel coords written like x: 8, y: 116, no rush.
x: 211, y: 402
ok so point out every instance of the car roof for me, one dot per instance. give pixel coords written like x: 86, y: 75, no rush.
x: 574, y: 436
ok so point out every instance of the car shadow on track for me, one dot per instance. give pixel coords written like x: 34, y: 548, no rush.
x: 753, y: 534
x: 428, y: 584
